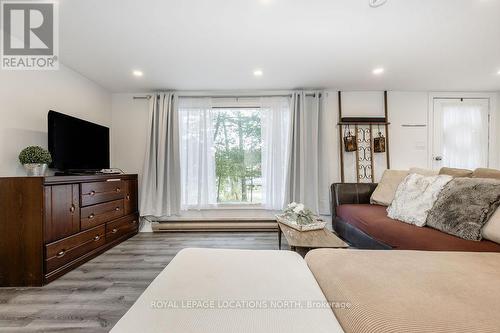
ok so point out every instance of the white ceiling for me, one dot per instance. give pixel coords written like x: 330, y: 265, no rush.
x: 217, y: 44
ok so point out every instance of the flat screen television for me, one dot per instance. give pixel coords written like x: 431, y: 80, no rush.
x: 77, y: 145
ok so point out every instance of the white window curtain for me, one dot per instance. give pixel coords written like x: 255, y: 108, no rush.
x: 465, y: 135
x: 302, y: 179
x: 160, y: 191
x: 179, y: 170
x: 275, y: 119
x: 197, y: 154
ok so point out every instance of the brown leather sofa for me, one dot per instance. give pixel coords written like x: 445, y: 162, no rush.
x: 367, y: 226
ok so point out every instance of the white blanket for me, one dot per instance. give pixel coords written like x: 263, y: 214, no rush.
x: 214, y: 290
x: 415, y: 196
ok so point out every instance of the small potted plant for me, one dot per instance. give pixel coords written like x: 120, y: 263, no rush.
x: 35, y: 160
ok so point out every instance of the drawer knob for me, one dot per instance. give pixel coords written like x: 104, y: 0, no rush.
x: 96, y: 238
x: 114, y: 231
x: 92, y: 193
x: 134, y: 222
x: 128, y: 196
x: 91, y: 216
x: 72, y: 209
x: 118, y: 189
x: 117, y: 208
x: 61, y: 254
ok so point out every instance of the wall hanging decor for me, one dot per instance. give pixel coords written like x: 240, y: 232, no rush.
x: 350, y: 141
x: 364, y: 155
x: 379, y: 142
x: 364, y: 163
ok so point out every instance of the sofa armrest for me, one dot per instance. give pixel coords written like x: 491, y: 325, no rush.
x: 351, y: 193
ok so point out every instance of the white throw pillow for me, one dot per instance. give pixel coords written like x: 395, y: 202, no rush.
x: 415, y: 196
x: 386, y: 188
x: 491, y: 230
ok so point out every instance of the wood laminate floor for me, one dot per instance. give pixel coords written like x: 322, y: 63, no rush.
x: 93, y: 297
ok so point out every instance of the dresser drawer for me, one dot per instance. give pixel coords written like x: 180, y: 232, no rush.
x: 121, y: 227
x: 92, y: 216
x: 59, y: 253
x: 94, y: 193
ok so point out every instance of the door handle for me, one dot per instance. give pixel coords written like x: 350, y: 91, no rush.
x: 438, y: 158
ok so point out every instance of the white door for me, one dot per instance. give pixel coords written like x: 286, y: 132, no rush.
x: 461, y: 132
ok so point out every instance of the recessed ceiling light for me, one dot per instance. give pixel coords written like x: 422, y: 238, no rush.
x: 258, y: 72
x: 138, y: 73
x: 377, y: 3
x: 378, y: 71
x: 498, y: 72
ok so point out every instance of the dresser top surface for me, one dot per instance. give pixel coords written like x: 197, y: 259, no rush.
x: 53, y: 180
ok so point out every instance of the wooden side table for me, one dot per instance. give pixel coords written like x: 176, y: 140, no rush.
x: 304, y: 241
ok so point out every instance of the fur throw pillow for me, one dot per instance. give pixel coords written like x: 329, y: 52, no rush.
x: 415, y: 196
x: 464, y: 206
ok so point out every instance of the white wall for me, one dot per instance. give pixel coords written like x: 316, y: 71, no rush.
x: 27, y: 96
x: 129, y: 132
x: 497, y: 161
x: 363, y: 104
x: 408, y: 131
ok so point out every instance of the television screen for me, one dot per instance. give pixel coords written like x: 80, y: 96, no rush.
x: 77, y: 144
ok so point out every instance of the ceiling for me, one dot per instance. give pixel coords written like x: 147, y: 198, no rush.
x: 217, y: 44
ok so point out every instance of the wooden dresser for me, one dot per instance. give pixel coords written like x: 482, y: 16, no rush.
x: 50, y: 225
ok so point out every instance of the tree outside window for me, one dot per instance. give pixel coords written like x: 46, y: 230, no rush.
x: 238, y: 145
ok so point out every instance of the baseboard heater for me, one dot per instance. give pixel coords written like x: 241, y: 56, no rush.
x: 226, y: 225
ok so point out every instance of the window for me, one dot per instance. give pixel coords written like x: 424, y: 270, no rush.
x: 233, y: 152
x: 461, y: 131
x: 237, y: 144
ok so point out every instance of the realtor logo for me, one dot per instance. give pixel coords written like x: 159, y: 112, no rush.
x: 29, y: 35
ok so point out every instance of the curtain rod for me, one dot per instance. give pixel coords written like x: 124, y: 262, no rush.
x: 232, y: 96
x: 229, y: 96
x: 243, y: 96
